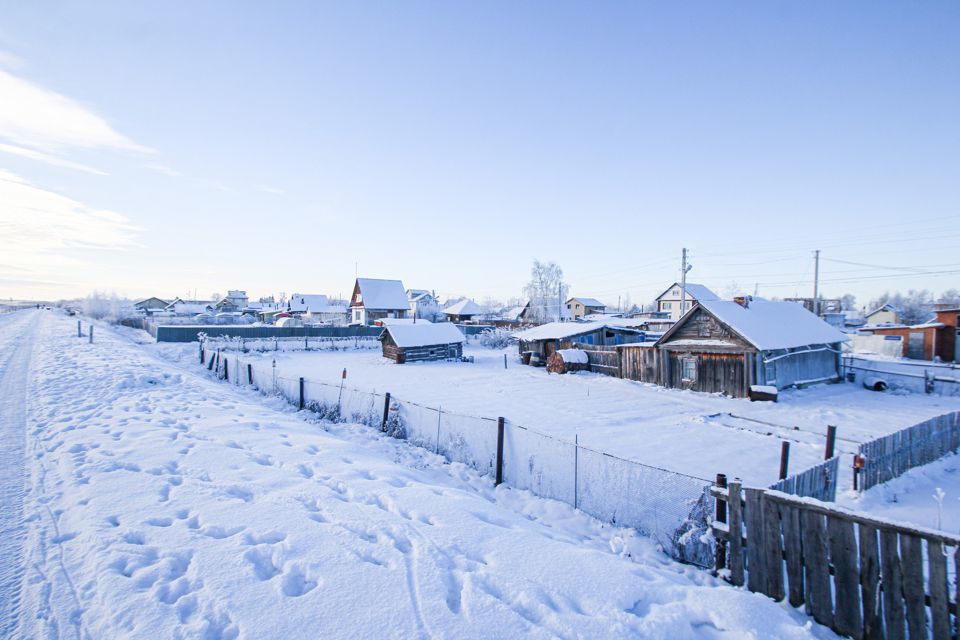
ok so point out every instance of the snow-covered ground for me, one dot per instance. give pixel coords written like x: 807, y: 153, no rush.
x: 693, y: 433
x: 913, y: 497
x: 162, y: 504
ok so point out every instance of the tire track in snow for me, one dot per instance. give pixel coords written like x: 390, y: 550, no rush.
x: 14, y: 365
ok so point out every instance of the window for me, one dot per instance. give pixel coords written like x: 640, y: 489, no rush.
x: 688, y: 369
x: 666, y: 305
x: 703, y: 327
x: 676, y: 292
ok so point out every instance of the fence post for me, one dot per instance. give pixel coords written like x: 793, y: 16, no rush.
x: 386, y: 412
x: 721, y: 509
x: 91, y: 333
x: 499, y: 479
x: 226, y: 369
x: 201, y: 353
x: 576, y: 465
x: 831, y: 441
x: 301, y: 393
x: 735, y: 527
x: 504, y: 361
x: 249, y: 373
x: 79, y: 330
x: 784, y: 458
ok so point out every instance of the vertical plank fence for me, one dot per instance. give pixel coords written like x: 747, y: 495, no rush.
x: 893, y: 455
x: 862, y: 576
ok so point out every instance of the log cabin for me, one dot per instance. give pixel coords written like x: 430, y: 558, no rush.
x: 421, y: 341
x: 728, y: 346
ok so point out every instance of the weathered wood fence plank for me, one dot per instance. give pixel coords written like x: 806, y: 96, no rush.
x: 870, y: 582
x: 816, y: 565
x: 911, y: 555
x: 891, y: 573
x: 843, y: 554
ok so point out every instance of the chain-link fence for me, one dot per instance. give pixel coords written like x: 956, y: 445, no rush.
x: 672, y: 508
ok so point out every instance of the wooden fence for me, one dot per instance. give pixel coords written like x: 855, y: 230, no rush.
x: 890, y: 456
x: 818, y: 482
x: 863, y: 577
x: 601, y: 358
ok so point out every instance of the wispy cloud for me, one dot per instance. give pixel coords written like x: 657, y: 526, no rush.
x: 43, y: 125
x: 268, y: 189
x: 49, y: 159
x: 164, y: 169
x: 41, y: 230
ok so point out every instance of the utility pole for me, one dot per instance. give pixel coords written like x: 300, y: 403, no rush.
x: 816, y: 282
x: 683, y: 282
x: 560, y: 301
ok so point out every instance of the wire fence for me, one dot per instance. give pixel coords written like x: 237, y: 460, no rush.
x: 672, y: 508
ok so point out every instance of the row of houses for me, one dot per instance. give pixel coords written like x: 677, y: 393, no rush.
x: 734, y: 347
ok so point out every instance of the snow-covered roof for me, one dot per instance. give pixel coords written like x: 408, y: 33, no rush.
x: 384, y: 322
x: 416, y: 294
x: 383, y: 294
x: 774, y: 325
x: 559, y: 330
x: 573, y: 356
x: 465, y: 307
x: 308, y: 301
x: 189, y: 307
x: 513, y: 313
x: 589, y: 302
x: 423, y: 334
x: 696, y: 291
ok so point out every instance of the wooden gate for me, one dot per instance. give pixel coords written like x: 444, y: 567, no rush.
x: 861, y: 576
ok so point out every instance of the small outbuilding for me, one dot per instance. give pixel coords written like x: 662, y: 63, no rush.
x: 539, y: 343
x: 726, y: 347
x: 463, y: 311
x: 421, y: 341
x: 149, y: 305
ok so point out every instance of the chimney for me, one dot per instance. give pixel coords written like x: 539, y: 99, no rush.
x: 743, y: 301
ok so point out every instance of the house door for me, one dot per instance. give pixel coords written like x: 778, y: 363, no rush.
x: 915, y: 345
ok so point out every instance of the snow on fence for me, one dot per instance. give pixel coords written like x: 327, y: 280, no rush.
x: 862, y: 576
x: 818, y: 482
x: 915, y: 376
x: 672, y: 508
x: 890, y: 456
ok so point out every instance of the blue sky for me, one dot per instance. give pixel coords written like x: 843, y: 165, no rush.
x: 273, y: 146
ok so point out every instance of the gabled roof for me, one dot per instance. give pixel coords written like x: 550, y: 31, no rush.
x: 561, y: 330
x: 768, y: 325
x: 883, y: 307
x: 423, y: 334
x: 383, y: 294
x: 696, y: 291
x: 416, y: 294
x: 315, y: 302
x: 465, y: 307
x: 138, y: 302
x: 588, y: 302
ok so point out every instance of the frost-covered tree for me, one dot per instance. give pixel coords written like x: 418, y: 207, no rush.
x: 913, y: 307
x: 103, y: 306
x: 950, y: 296
x: 546, y: 290
x: 848, y: 302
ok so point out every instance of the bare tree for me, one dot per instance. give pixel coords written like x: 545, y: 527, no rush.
x: 547, y: 292
x: 913, y: 307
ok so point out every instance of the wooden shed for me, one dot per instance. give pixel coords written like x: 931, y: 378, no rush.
x: 421, y: 341
x: 727, y: 346
x: 542, y: 341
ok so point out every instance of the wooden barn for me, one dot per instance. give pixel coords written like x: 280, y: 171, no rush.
x: 421, y: 341
x: 538, y: 343
x: 728, y: 346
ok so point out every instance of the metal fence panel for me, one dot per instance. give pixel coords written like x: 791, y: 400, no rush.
x: 539, y: 463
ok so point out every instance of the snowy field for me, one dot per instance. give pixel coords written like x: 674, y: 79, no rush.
x: 693, y: 433
x: 913, y: 496
x: 162, y: 504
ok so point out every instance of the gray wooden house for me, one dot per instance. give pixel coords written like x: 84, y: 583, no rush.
x: 421, y: 341
x: 728, y: 346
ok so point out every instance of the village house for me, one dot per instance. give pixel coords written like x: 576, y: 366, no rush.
x: 149, y: 305
x: 463, y: 311
x: 934, y: 339
x: 374, y: 299
x: 729, y: 346
x: 580, y: 307
x: 180, y: 307
x: 884, y: 314
x: 423, y: 303
x: 232, y: 302
x: 668, y: 302
x: 421, y: 341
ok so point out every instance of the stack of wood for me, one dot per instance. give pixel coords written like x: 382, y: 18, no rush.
x: 566, y: 360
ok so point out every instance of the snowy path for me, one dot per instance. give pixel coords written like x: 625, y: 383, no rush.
x: 16, y: 345
x: 167, y: 505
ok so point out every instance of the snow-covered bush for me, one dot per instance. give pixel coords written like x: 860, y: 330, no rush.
x: 496, y: 338
x: 110, y: 307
